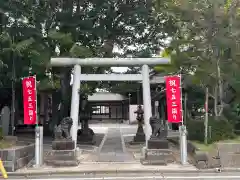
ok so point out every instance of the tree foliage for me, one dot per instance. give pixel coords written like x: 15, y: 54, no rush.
x: 205, y: 47
x: 202, y: 43
x: 33, y: 31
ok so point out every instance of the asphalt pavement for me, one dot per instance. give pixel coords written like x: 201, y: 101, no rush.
x: 140, y: 176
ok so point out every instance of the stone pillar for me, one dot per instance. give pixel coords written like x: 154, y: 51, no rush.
x: 5, y: 118
x: 75, y: 102
x: 146, y: 101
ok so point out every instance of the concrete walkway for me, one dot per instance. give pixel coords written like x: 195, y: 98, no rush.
x: 107, y: 168
x: 136, y: 176
x: 113, y: 148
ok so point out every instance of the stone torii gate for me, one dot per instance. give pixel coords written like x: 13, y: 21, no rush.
x: 78, y: 77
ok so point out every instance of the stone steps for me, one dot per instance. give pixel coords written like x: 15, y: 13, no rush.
x: 62, y: 163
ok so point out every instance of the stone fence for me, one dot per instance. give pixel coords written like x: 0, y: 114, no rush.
x: 201, y: 159
x: 17, y: 157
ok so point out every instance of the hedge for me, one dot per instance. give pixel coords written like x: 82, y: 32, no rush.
x: 220, y: 130
x: 1, y: 135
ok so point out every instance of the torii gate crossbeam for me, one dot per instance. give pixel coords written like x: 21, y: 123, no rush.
x: 78, y: 77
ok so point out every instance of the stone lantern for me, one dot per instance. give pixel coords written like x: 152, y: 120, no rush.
x: 140, y: 136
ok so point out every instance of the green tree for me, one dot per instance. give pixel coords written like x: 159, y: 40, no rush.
x: 76, y: 29
x: 103, y: 25
x: 207, y: 36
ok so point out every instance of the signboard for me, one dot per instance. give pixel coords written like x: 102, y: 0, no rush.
x: 173, y: 94
x: 29, y: 100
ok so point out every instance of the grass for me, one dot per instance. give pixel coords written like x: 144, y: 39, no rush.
x: 202, y: 147
x: 235, y: 140
x: 6, y: 144
x: 210, y: 147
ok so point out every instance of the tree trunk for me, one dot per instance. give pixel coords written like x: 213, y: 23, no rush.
x: 206, y: 117
x: 65, y: 78
x: 108, y: 47
x: 185, y: 107
x: 55, y: 113
x: 215, y: 101
x: 218, y: 94
x: 220, y: 88
x: 45, y: 109
x: 13, y: 94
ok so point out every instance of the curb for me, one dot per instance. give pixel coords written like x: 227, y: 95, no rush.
x: 118, y: 171
x: 79, y: 171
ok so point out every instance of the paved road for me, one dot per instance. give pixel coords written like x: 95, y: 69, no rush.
x: 139, y: 176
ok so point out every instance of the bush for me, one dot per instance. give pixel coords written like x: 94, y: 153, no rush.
x: 195, y: 130
x: 220, y: 130
x: 1, y: 135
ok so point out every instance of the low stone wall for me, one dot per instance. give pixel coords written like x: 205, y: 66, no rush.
x: 190, y: 146
x: 17, y: 157
x: 201, y: 159
x: 229, y: 154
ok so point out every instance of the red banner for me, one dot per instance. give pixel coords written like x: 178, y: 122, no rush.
x: 173, y: 94
x: 29, y: 100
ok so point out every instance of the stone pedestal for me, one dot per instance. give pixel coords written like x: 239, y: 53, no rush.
x: 158, y: 157
x: 86, y: 136
x: 139, y: 137
x: 158, y: 144
x: 63, y: 154
x: 63, y: 145
x: 158, y: 152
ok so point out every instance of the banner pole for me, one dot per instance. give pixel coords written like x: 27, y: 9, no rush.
x: 180, y: 77
x: 35, y: 78
x: 37, y: 132
x: 183, y: 131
